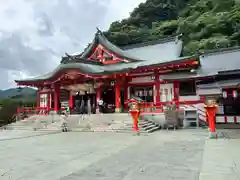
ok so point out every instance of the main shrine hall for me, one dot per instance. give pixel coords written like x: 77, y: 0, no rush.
x: 154, y: 71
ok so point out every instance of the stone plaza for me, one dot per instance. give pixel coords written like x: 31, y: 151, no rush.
x: 182, y: 154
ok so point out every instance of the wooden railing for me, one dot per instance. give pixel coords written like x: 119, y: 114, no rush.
x: 145, y: 108
x: 150, y: 108
x: 24, y: 112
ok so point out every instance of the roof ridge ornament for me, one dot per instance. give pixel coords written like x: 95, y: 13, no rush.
x: 179, y: 37
x: 68, y: 55
x: 98, y: 31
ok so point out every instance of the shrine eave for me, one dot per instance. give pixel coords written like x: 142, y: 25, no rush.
x: 96, y: 71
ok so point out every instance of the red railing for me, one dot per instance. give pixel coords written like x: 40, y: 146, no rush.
x: 146, y: 108
x: 23, y: 112
x: 150, y: 108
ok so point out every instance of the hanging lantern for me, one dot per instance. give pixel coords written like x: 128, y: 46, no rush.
x: 112, y: 83
x: 150, y: 93
x: 224, y: 94
x: 234, y: 93
x: 145, y: 92
x: 153, y: 77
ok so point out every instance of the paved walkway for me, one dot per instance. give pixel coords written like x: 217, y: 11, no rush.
x: 221, y: 158
x: 181, y: 155
x: 21, y: 134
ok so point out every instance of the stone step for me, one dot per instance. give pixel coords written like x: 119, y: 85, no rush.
x: 97, y: 123
x: 19, y: 128
x: 149, y: 127
x: 146, y: 124
x: 49, y: 130
x: 153, y: 129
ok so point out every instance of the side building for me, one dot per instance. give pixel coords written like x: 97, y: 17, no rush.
x: 153, y: 71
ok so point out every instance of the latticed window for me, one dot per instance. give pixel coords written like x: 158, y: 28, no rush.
x: 187, y: 88
x: 43, y: 100
x: 166, y: 92
x: 143, y: 92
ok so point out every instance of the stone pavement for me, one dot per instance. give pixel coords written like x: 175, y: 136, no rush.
x: 221, y: 159
x: 183, y: 154
x: 20, y: 134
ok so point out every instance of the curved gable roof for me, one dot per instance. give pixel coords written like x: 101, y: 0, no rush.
x: 164, y: 50
x: 101, y: 39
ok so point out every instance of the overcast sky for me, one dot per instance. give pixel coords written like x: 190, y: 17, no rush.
x: 34, y: 34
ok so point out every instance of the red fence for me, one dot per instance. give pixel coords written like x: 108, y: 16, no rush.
x: 150, y: 108
x: 146, y: 108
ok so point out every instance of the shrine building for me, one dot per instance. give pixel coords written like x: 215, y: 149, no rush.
x: 155, y: 71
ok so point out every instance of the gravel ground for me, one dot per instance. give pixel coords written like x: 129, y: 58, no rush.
x: 97, y: 156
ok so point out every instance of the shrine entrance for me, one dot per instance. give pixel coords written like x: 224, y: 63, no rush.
x: 80, y: 98
x: 108, y: 97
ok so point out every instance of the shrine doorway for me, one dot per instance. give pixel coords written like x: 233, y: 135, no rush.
x: 108, y: 97
x: 79, y: 97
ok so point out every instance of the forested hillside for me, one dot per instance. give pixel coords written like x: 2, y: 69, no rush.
x: 204, y: 24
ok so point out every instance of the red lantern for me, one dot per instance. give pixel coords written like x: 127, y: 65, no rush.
x: 150, y: 93
x: 234, y: 93
x: 224, y: 94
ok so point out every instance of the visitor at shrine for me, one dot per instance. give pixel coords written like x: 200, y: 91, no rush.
x: 82, y: 106
x: 77, y: 103
x: 89, y: 109
x: 100, y: 105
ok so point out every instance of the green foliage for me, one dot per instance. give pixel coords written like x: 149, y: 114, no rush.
x: 9, y: 108
x: 205, y: 24
x: 7, y: 111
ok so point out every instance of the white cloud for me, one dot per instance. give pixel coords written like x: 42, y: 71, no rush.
x: 34, y: 34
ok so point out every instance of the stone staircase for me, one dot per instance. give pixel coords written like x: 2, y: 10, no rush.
x: 148, y: 126
x: 110, y: 123
x: 35, y: 122
x: 95, y: 122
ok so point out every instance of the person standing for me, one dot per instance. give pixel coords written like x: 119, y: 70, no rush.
x: 100, y: 105
x: 82, y: 108
x: 89, y: 109
x: 77, y: 103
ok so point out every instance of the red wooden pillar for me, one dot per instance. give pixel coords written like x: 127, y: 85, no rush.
x: 38, y: 98
x: 117, y: 97
x: 176, y: 92
x: 157, y: 85
x: 70, y: 100
x: 49, y: 100
x: 98, y: 97
x: 56, y: 97
x: 125, y: 95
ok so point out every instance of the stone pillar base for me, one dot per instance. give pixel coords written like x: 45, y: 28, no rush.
x: 212, y: 135
x: 97, y: 111
x: 136, y: 133
x: 53, y: 112
x: 117, y: 110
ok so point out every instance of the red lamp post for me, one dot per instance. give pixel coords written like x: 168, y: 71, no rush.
x: 211, y: 109
x: 135, y: 113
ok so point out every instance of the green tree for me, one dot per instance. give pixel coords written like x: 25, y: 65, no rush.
x: 205, y: 24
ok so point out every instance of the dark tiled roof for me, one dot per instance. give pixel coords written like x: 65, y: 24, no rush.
x: 224, y: 60
x: 220, y: 84
x: 178, y: 75
x: 221, y: 50
x: 93, y: 69
x: 161, y: 50
x: 150, y: 43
